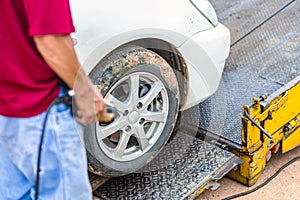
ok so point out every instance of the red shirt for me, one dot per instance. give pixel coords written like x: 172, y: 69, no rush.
x: 27, y: 83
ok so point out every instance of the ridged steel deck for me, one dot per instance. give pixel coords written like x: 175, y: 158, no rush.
x: 185, y: 165
x: 260, y: 63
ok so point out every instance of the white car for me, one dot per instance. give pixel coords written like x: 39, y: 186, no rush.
x: 151, y: 59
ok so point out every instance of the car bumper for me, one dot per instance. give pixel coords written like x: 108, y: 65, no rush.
x: 205, y: 54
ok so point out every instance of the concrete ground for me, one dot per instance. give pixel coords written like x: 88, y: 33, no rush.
x: 285, y: 186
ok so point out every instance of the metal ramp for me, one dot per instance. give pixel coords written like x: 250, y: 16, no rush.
x: 185, y: 166
x: 260, y: 63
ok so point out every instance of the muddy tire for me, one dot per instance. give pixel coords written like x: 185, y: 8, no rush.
x: 144, y: 89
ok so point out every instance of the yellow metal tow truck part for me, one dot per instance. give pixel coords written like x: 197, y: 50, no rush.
x: 270, y: 122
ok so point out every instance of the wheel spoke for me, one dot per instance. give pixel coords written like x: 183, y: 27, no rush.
x: 123, y: 142
x: 105, y: 131
x: 152, y: 94
x: 141, y: 137
x: 119, y: 105
x: 134, y: 89
x: 154, y: 116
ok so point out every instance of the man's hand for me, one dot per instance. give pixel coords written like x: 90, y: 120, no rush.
x: 58, y: 51
x: 89, y: 101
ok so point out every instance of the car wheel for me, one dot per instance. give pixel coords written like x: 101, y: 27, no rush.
x: 143, y: 88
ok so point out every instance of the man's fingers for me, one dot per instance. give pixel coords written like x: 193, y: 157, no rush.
x: 77, y: 113
x: 109, y: 117
x: 82, y: 121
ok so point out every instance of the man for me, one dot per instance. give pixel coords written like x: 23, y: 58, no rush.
x: 36, y: 50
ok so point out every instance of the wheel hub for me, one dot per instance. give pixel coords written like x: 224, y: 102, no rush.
x: 133, y: 117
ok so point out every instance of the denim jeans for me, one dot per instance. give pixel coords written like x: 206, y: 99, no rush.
x: 63, y: 166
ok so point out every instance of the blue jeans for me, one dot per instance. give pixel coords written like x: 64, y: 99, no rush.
x: 63, y: 166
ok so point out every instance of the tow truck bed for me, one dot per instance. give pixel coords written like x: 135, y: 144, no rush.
x: 264, y: 57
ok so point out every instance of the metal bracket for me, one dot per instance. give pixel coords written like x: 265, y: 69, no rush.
x: 268, y: 112
x: 260, y: 128
x: 212, y: 185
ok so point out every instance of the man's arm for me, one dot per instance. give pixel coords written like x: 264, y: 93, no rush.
x: 58, y: 51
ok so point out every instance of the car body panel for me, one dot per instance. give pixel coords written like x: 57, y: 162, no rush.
x: 102, y: 26
x: 205, y: 54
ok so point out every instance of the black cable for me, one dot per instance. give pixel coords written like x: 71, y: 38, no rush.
x: 66, y: 99
x: 260, y: 24
x: 264, y: 183
x: 37, y: 181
